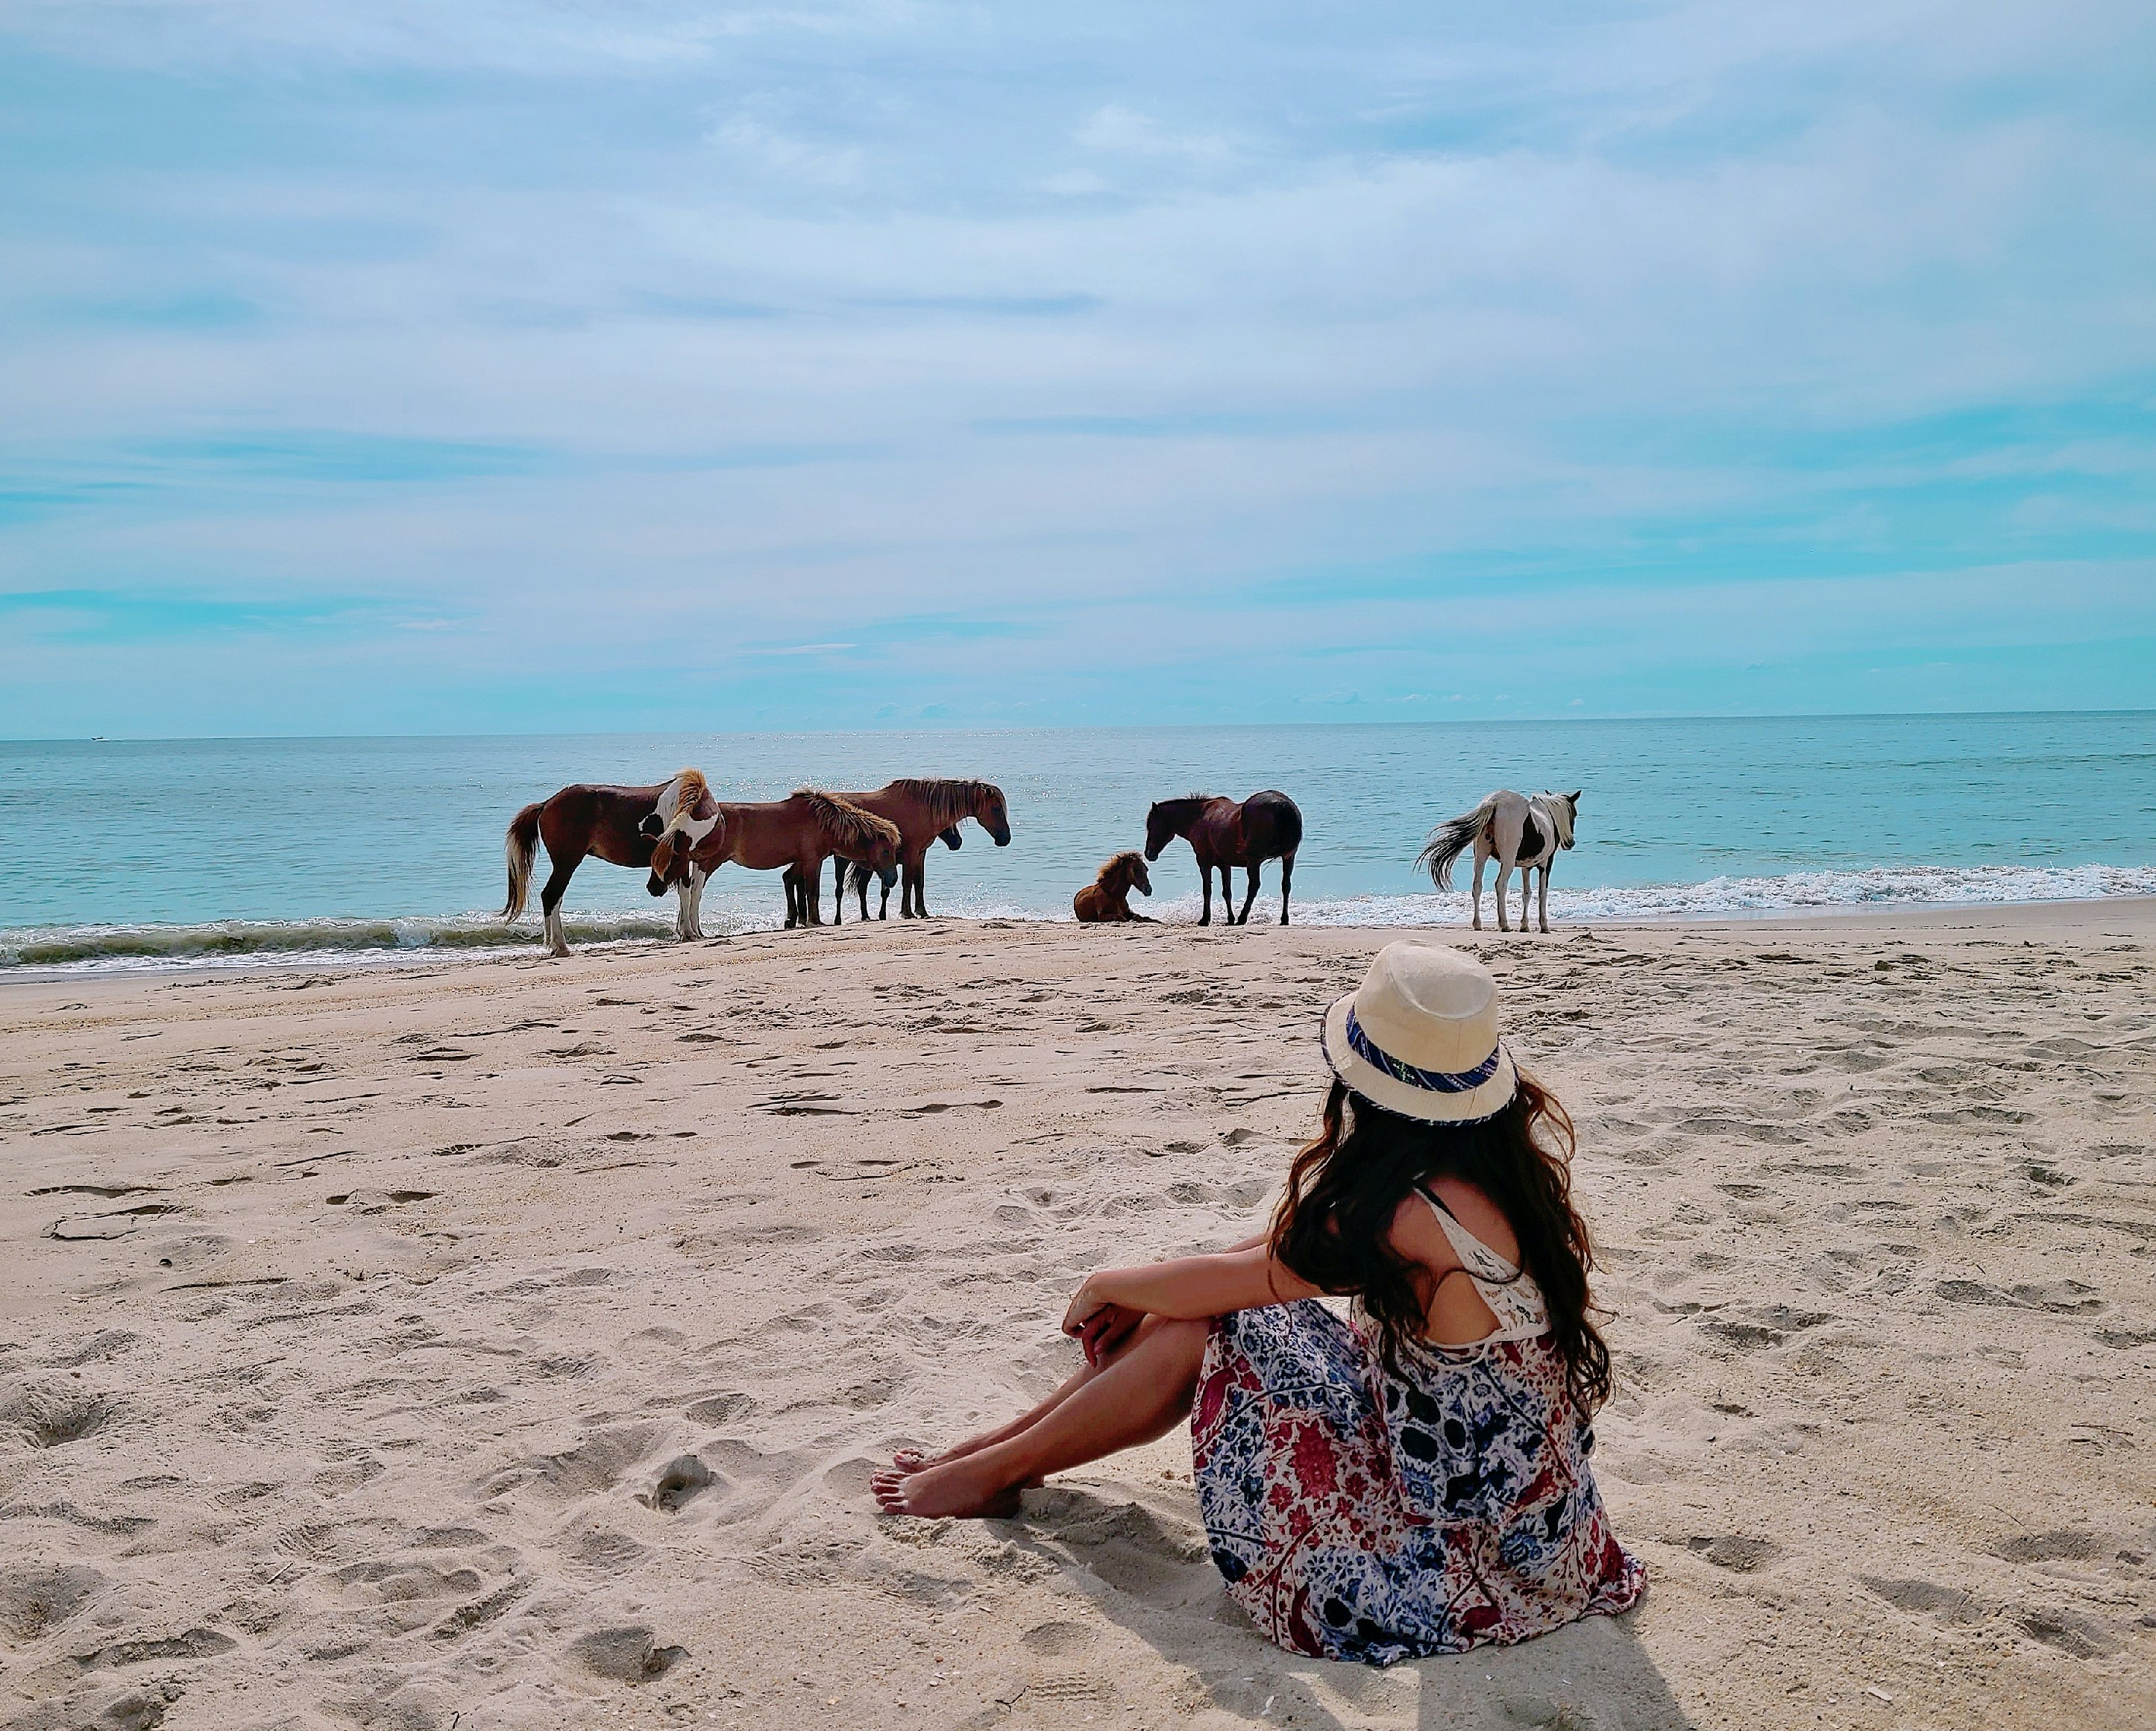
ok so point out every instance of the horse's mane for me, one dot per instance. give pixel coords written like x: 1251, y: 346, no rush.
x: 846, y: 822
x: 688, y: 790
x: 948, y: 801
x: 1126, y: 865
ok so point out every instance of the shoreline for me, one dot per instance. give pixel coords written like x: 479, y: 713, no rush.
x: 2119, y: 915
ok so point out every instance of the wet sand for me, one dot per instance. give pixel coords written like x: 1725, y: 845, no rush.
x: 510, y: 1343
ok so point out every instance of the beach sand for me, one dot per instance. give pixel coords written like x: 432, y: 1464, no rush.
x: 510, y: 1343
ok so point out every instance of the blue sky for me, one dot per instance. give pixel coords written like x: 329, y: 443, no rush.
x: 406, y: 367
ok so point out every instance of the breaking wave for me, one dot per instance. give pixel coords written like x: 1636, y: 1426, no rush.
x: 255, y: 944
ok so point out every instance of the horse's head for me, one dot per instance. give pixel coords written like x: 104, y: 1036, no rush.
x: 888, y: 877
x: 952, y: 838
x: 1564, y: 808
x: 1160, y: 828
x: 992, y: 814
x: 1141, y: 879
x: 669, y: 864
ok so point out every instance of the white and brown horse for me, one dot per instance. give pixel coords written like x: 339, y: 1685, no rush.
x: 1513, y: 829
x: 796, y: 834
x: 582, y: 821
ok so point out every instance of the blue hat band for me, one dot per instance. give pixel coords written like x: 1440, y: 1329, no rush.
x: 1432, y: 1082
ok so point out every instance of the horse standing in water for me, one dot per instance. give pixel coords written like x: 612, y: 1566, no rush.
x: 1222, y: 833
x: 925, y: 809
x: 798, y: 834
x: 1515, y: 830
x: 1106, y: 901
x: 591, y: 820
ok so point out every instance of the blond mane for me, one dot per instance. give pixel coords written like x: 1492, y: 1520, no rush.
x: 856, y: 831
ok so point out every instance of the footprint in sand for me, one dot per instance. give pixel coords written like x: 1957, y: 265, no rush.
x: 33, y: 1600
x: 627, y: 1654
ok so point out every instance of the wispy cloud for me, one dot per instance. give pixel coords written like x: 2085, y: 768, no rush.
x: 1118, y: 364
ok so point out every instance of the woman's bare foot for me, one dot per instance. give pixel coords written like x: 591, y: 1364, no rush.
x: 910, y: 1460
x: 966, y: 1488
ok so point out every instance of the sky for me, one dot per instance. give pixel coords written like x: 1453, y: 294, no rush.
x: 391, y: 366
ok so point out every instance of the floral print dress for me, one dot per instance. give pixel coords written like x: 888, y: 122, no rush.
x: 1357, y: 1514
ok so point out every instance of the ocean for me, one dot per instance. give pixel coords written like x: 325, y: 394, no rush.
x: 156, y: 853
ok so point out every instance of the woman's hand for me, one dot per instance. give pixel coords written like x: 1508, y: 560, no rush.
x: 1099, y: 1325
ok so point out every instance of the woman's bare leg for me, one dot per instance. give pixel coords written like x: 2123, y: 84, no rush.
x: 915, y: 1460
x: 1144, y: 1393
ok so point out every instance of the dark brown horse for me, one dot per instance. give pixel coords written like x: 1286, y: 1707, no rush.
x: 583, y: 821
x: 1222, y: 834
x: 798, y: 833
x: 1106, y: 901
x: 925, y: 809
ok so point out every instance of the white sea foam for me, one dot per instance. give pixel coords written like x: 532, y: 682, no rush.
x: 242, y: 944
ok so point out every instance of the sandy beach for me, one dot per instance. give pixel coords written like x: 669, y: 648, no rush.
x: 509, y: 1344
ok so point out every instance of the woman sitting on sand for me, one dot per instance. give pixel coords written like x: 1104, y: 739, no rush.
x: 1412, y: 1481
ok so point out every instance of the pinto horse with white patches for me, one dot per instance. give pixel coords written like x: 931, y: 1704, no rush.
x: 589, y: 820
x: 1513, y: 829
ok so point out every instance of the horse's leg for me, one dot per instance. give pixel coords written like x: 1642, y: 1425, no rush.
x: 550, y: 901
x: 1504, y: 880
x: 812, y: 892
x: 920, y: 884
x: 792, y: 898
x: 1287, y: 877
x: 1205, y: 890
x: 1479, y: 857
x: 1545, y: 898
x: 698, y: 877
x: 1249, y: 895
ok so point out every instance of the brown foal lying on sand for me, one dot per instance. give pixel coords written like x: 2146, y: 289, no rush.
x: 1106, y: 901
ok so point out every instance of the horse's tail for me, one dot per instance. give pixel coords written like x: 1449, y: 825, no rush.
x: 1451, y: 839
x: 521, y: 844
x: 1289, y: 835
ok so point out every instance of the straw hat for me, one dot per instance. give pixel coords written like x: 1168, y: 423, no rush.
x: 1419, y: 1036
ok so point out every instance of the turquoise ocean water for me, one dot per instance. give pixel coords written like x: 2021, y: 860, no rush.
x: 119, y: 855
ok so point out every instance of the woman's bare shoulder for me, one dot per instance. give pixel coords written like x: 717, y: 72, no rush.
x: 1480, y: 1215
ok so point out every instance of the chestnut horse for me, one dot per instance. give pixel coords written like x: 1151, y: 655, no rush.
x: 924, y: 809
x: 799, y: 832
x: 586, y: 820
x: 1222, y: 833
x: 1106, y: 901
x: 856, y: 876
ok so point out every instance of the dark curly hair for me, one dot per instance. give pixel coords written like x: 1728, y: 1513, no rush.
x: 1333, y: 1227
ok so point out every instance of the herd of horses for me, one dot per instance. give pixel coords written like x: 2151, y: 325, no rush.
x: 679, y: 832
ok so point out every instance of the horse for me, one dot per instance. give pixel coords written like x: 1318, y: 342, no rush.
x: 1518, y: 831
x: 583, y: 821
x: 800, y: 832
x: 927, y: 809
x: 1222, y: 833
x: 1106, y: 901
x: 854, y: 875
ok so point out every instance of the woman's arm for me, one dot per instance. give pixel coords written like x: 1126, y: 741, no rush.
x: 1240, y: 1279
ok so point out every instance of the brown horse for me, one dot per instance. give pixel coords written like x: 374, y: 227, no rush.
x: 925, y: 809
x: 1106, y: 901
x: 1222, y: 833
x: 798, y: 833
x: 854, y: 875
x: 581, y: 821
